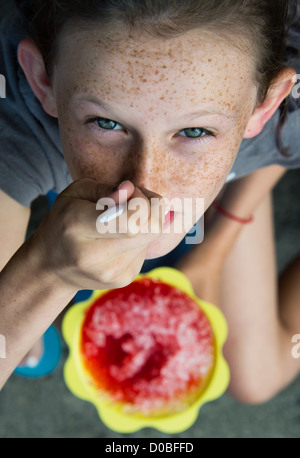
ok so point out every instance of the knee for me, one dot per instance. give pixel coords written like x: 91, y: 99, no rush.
x: 252, y: 392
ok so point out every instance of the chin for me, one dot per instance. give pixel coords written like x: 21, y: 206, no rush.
x: 162, y: 246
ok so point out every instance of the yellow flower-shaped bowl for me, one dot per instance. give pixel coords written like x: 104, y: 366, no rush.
x: 112, y: 414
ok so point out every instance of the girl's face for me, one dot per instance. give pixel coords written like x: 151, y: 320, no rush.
x: 167, y: 114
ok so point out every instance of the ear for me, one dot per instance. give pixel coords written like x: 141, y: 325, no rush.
x: 279, y: 90
x: 32, y: 63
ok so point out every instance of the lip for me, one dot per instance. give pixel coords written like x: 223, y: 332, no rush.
x: 169, y: 218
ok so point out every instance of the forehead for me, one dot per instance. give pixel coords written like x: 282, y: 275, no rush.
x: 197, y: 65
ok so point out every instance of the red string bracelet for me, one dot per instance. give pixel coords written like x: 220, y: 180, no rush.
x: 230, y: 216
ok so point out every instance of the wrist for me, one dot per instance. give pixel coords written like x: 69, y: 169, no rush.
x: 38, y: 267
x: 221, y: 235
x: 232, y: 216
x: 31, y: 299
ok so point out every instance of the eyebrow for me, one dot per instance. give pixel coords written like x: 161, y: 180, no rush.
x: 214, y: 111
x: 204, y: 112
x: 91, y: 99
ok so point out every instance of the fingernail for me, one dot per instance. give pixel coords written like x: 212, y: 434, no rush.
x: 115, y: 188
x: 112, y: 213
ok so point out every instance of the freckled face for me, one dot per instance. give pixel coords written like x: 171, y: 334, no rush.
x: 167, y: 114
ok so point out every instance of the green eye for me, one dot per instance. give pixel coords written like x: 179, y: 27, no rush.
x: 196, y: 132
x: 108, y: 124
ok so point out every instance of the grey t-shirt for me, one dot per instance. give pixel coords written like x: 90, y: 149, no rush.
x: 262, y: 150
x: 31, y: 157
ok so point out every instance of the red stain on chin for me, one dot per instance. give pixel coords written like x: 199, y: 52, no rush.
x: 169, y: 218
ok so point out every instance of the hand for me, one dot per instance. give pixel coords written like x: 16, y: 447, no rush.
x: 72, y: 248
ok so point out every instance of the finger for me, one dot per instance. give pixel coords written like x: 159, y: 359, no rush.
x: 91, y: 190
x: 156, y: 218
x: 137, y: 215
x: 79, y: 217
x: 76, y: 206
x: 117, y: 210
x: 124, y: 266
x: 131, y: 212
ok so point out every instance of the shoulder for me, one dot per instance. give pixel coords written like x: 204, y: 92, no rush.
x: 31, y: 158
x: 292, y: 54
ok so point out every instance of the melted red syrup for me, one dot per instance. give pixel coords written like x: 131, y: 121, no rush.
x: 148, y: 345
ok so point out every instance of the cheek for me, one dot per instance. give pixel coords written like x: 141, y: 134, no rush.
x: 87, y: 160
x: 204, y: 175
x: 84, y: 158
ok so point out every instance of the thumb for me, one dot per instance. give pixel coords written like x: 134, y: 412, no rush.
x: 92, y: 190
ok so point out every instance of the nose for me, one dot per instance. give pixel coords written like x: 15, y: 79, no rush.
x: 146, y: 166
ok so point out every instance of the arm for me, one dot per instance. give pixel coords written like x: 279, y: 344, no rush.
x: 20, y: 287
x: 14, y: 220
x: 65, y: 254
x: 241, y: 198
x: 31, y: 298
x: 203, y: 265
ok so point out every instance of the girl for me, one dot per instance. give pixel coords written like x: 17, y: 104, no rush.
x: 176, y: 98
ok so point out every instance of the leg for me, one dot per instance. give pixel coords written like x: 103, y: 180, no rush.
x: 289, y: 301
x: 259, y: 346
x: 289, y: 295
x: 33, y: 357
